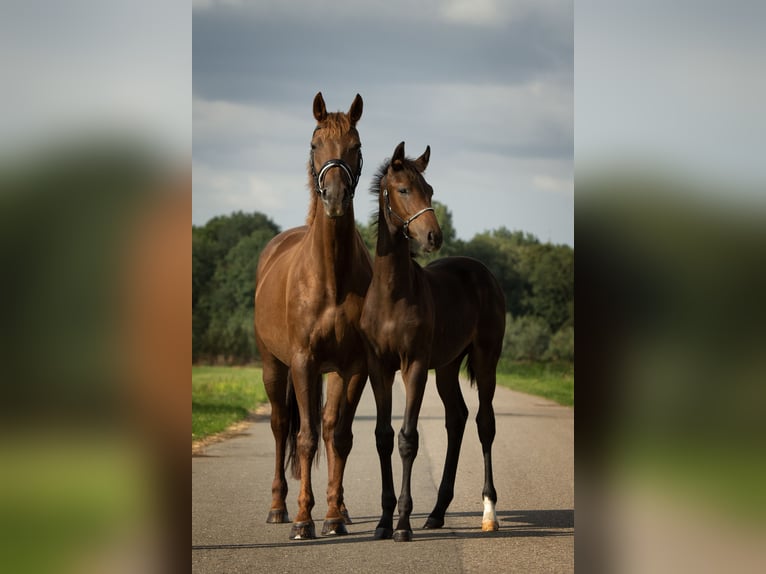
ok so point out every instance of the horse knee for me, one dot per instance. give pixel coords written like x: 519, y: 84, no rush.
x: 328, y: 426
x: 408, y: 444
x: 343, y: 444
x: 307, y: 443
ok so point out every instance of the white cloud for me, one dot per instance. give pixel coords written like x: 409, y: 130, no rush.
x: 554, y: 184
x: 478, y: 12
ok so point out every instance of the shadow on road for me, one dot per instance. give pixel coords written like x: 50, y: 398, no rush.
x: 513, y: 524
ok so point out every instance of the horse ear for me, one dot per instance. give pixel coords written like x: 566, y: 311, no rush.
x: 397, y: 160
x: 355, y: 111
x: 422, y: 162
x: 320, y: 111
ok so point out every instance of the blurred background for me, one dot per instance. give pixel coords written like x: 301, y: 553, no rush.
x: 95, y: 205
x: 670, y: 210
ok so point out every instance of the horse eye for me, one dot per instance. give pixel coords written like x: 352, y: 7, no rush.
x: 403, y: 190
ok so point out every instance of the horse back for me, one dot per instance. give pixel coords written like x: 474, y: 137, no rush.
x: 469, y: 306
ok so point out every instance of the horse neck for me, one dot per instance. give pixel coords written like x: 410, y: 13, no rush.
x: 393, y: 267
x: 332, y: 243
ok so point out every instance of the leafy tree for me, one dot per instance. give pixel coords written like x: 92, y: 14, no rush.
x: 537, y: 280
x: 499, y: 250
x: 549, y: 271
x: 526, y: 338
x: 369, y: 234
x: 225, y: 254
x: 561, y: 345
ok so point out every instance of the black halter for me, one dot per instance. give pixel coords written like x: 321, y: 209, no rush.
x: 353, y: 179
x: 406, y: 222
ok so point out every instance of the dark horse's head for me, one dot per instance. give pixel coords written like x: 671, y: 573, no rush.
x: 405, y: 200
x: 335, y: 163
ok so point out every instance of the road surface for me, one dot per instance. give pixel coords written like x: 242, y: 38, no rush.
x: 533, y: 459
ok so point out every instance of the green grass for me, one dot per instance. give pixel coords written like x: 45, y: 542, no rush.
x: 553, y: 381
x: 222, y: 396
x: 725, y: 473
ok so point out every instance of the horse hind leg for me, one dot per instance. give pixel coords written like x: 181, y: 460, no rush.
x: 485, y: 422
x: 275, y: 380
x: 456, y: 415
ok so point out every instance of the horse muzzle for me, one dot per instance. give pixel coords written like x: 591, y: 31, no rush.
x: 425, y: 233
x: 336, y: 201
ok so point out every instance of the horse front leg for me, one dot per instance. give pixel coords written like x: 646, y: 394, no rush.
x: 342, y: 399
x: 414, y: 376
x: 309, y: 398
x: 382, y: 384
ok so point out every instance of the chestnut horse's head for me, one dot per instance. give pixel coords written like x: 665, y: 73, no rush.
x: 335, y: 163
x: 405, y: 198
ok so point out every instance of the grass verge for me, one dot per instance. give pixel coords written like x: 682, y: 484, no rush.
x: 222, y: 396
x: 553, y: 381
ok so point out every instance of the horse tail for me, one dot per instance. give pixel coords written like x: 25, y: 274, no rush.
x: 294, y: 425
x: 469, y: 367
x: 293, y: 461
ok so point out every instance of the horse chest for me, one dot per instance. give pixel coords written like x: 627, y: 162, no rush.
x: 332, y: 330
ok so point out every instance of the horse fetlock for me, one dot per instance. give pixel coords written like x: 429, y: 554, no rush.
x: 388, y: 502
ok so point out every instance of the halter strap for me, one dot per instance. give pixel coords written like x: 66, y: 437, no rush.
x: 353, y: 179
x: 406, y: 222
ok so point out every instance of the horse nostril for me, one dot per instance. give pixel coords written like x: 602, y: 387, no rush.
x: 431, y: 237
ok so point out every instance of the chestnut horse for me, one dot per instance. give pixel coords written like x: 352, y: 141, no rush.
x: 416, y: 319
x: 309, y: 294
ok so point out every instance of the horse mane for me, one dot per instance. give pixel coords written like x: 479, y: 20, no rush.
x: 408, y: 163
x: 333, y: 126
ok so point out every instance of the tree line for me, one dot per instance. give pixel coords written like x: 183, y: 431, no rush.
x: 537, y: 280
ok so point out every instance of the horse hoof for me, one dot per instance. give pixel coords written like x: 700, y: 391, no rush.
x: 489, y: 525
x: 303, y: 531
x: 336, y: 527
x: 403, y: 536
x: 278, y: 516
x: 383, y: 533
x: 433, y: 522
x: 346, y: 517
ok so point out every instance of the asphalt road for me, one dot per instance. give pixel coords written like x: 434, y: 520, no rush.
x: 533, y: 459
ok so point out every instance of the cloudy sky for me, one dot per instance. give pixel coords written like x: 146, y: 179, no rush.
x: 488, y: 84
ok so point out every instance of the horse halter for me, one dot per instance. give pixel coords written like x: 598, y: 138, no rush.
x: 406, y: 222
x: 353, y: 179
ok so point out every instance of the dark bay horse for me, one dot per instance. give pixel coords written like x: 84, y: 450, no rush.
x: 309, y: 294
x: 416, y: 319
